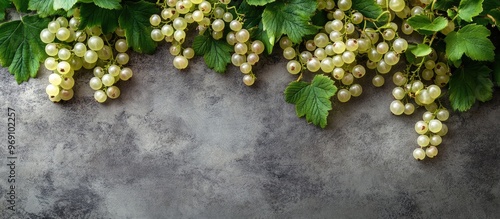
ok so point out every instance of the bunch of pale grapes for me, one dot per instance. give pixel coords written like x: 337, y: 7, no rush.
x: 173, y: 21
x: 430, y: 130
x: 70, y: 49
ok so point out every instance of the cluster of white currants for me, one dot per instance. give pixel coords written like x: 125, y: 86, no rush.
x: 430, y: 130
x: 70, y: 49
x: 172, y: 23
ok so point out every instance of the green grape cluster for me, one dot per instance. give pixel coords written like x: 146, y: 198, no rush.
x: 69, y: 49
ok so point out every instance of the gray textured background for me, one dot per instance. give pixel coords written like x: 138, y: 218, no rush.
x: 196, y: 144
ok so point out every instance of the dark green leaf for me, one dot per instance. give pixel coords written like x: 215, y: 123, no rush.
x: 108, y: 4
x: 4, y: 4
x: 471, y: 40
x: 444, y: 5
x: 217, y: 53
x: 92, y: 15
x: 259, y: 2
x: 469, y: 9
x: 21, y: 5
x: 64, y: 4
x: 289, y: 17
x: 134, y: 19
x: 425, y: 25
x: 20, y: 46
x: 468, y: 83
x: 369, y: 9
x: 312, y: 99
x: 421, y: 50
x: 253, y: 14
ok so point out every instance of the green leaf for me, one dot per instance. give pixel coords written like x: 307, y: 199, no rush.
x: 217, y: 53
x: 21, y: 5
x: 471, y: 40
x: 108, y: 4
x: 4, y: 4
x: 469, y: 9
x: 312, y: 99
x: 259, y: 2
x: 290, y: 17
x: 44, y: 8
x: 253, y: 14
x: 20, y: 46
x: 421, y: 50
x: 134, y: 19
x: 64, y: 4
x: 468, y: 83
x: 92, y: 15
x: 444, y: 5
x: 369, y: 9
x: 423, y: 24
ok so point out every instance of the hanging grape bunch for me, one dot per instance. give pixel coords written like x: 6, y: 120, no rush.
x: 69, y: 49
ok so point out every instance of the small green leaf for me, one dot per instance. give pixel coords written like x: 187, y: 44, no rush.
x: 471, y: 40
x: 259, y: 2
x: 369, y: 9
x: 92, y: 15
x: 21, y: 5
x: 253, y: 14
x: 217, y: 53
x: 421, y: 50
x: 423, y: 24
x: 108, y: 4
x: 468, y: 83
x: 64, y: 4
x: 289, y: 17
x: 312, y: 99
x: 469, y: 9
x: 20, y: 46
x: 134, y: 19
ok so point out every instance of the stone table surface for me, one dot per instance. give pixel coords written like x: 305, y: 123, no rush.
x: 197, y: 144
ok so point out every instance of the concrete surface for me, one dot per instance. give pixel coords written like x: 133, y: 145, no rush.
x: 197, y: 144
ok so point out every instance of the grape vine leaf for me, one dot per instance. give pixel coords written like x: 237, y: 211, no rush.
x: 64, y: 4
x: 424, y: 25
x: 21, y: 5
x: 472, y: 40
x: 44, y: 8
x: 290, y: 17
x: 259, y: 2
x: 217, y: 53
x: 4, y: 4
x: 108, y: 4
x: 92, y: 15
x: 469, y: 9
x: 421, y: 50
x: 134, y: 19
x: 469, y: 83
x: 312, y: 99
x: 369, y: 9
x: 20, y: 46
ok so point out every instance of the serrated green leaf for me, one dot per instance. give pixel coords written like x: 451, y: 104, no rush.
x: 217, y: 53
x: 469, y: 9
x: 468, y: 84
x: 4, y: 4
x: 289, y: 17
x: 471, y: 40
x: 369, y: 9
x: 64, y: 4
x: 444, y: 5
x: 108, y: 4
x: 44, y: 8
x: 259, y: 2
x: 421, y: 50
x: 21, y: 5
x: 312, y: 99
x: 253, y: 14
x: 92, y: 15
x: 20, y: 46
x: 423, y: 24
x: 134, y: 19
